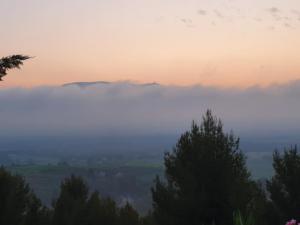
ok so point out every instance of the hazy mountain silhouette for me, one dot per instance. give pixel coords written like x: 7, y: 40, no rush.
x: 84, y: 84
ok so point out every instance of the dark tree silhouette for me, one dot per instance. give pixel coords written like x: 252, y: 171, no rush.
x: 101, y: 211
x: 69, y: 208
x: 93, y: 210
x: 18, y: 204
x: 128, y: 216
x: 206, y: 178
x: 284, y: 185
x: 75, y: 206
x: 11, y: 62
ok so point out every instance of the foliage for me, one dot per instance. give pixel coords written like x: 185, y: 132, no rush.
x: 18, y: 204
x: 206, y: 177
x: 11, y: 62
x: 101, y: 211
x: 76, y: 206
x: 238, y: 219
x: 128, y: 216
x: 260, y: 207
x: 70, y: 205
x: 148, y: 219
x: 284, y: 185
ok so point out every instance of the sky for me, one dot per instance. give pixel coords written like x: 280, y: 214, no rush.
x: 220, y: 43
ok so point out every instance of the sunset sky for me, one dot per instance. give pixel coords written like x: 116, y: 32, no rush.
x: 224, y: 43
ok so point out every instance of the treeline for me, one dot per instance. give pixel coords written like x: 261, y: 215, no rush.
x: 206, y: 182
x: 75, y: 205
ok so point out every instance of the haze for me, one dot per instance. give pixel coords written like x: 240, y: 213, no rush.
x: 129, y: 109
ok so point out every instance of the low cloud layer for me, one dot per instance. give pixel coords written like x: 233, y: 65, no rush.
x: 128, y: 109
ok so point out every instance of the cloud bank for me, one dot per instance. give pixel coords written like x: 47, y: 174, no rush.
x: 126, y: 108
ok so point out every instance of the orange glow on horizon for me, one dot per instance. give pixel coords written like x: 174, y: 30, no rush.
x: 168, y: 42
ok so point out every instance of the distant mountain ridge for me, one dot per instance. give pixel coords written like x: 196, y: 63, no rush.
x: 83, y: 84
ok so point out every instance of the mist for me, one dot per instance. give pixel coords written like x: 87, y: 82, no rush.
x: 128, y: 109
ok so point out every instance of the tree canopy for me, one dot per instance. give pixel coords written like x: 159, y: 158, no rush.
x: 206, y: 178
x: 70, y: 206
x: 284, y: 185
x: 75, y: 205
x: 18, y: 204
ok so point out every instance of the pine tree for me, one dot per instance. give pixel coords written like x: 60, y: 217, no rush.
x: 18, y: 204
x: 69, y: 208
x: 101, y: 211
x: 11, y: 62
x: 93, y: 210
x: 284, y: 185
x: 206, y: 178
x: 128, y: 216
x: 37, y: 213
x: 109, y: 212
